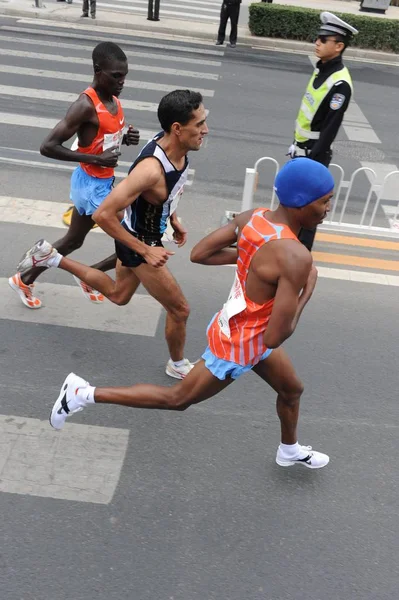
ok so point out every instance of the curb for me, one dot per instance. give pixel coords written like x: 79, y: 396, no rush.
x: 244, y: 36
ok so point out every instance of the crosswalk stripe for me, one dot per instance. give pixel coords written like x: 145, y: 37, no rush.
x: 358, y: 276
x: 175, y: 13
x: 64, y: 306
x: 142, y: 85
x: 55, y: 166
x: 184, y: 3
x: 59, y: 166
x: 88, y: 36
x: 34, y: 456
x: 129, y: 53
x: 47, y: 123
x: 84, y: 61
x: 10, y: 90
x: 199, y: 6
x: 41, y: 213
x: 25, y: 211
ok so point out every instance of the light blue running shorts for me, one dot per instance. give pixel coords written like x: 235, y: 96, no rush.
x: 221, y: 368
x: 88, y: 192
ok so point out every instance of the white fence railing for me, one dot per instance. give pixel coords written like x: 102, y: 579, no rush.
x: 338, y: 217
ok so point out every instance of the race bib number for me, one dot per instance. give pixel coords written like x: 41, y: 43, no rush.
x: 234, y: 305
x: 113, y: 140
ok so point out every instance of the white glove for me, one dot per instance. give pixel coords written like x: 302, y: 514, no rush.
x: 292, y: 151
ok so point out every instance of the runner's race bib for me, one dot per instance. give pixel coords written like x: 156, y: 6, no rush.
x: 234, y: 305
x: 111, y: 140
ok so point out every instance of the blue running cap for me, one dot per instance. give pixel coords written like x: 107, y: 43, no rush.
x: 302, y: 181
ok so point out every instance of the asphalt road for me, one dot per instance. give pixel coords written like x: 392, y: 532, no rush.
x: 198, y: 509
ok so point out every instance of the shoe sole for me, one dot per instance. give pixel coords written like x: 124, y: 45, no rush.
x: 20, y: 293
x: 57, y: 403
x: 291, y: 463
x: 84, y: 293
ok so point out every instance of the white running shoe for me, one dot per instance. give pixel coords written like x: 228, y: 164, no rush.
x: 25, y: 292
x: 178, y: 372
x: 312, y: 459
x: 37, y: 256
x: 89, y: 292
x: 67, y: 402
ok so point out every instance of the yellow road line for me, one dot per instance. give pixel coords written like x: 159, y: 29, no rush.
x: 354, y: 241
x: 356, y: 261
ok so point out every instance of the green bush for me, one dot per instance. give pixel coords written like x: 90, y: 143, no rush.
x: 292, y: 23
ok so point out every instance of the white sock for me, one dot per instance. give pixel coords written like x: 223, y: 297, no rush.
x: 179, y: 363
x: 291, y: 450
x: 86, y: 395
x: 54, y: 261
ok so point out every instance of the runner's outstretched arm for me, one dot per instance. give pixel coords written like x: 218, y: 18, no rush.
x: 214, y: 249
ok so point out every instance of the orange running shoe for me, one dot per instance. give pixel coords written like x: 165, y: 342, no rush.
x: 89, y: 292
x: 24, y: 291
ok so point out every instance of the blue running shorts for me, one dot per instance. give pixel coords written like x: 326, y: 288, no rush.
x: 87, y: 192
x: 221, y: 368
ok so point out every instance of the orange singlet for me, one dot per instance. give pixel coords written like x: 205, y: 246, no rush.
x: 109, y: 134
x: 236, y: 332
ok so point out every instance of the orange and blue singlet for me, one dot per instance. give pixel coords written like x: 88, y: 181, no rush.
x: 235, y: 334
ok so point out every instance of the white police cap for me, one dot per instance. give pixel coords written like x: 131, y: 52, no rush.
x: 330, y: 25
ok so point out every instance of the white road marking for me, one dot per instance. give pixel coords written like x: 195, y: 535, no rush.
x: 87, y: 34
x: 11, y: 90
x: 59, y: 166
x: 82, y: 463
x: 358, y: 276
x: 198, y: 9
x: 357, y: 127
x: 174, y: 13
x: 167, y: 9
x: 47, y: 123
x: 43, y: 213
x: 85, y: 61
x: 65, y: 306
x: 185, y: 3
x: 129, y: 53
x: 136, y: 85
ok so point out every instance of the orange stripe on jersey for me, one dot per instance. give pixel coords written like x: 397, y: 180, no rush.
x: 109, y: 134
x: 239, y: 338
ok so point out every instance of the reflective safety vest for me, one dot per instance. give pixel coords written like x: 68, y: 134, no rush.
x: 311, y: 103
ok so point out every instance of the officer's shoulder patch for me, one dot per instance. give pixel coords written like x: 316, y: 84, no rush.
x: 337, y: 101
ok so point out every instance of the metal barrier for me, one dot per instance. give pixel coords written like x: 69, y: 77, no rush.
x: 334, y: 222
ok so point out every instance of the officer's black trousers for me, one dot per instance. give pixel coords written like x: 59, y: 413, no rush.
x: 232, y: 12
x: 306, y: 236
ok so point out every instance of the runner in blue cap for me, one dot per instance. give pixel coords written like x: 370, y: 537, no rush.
x: 274, y: 281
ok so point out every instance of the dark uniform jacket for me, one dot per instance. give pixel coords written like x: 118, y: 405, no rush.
x: 328, y: 117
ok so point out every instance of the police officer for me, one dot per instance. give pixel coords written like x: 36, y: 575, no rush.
x: 326, y: 99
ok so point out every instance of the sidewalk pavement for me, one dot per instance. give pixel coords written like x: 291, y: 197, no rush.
x: 190, y: 29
